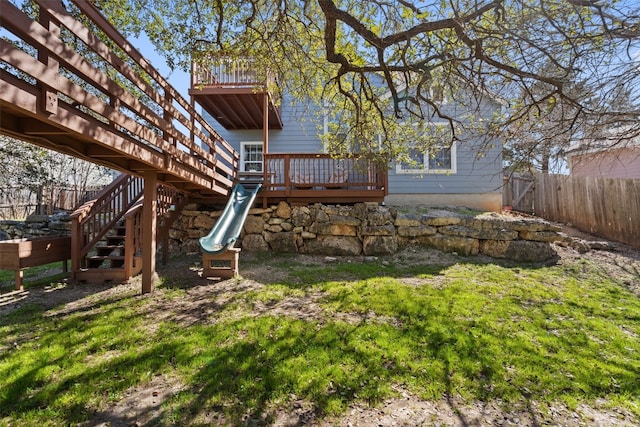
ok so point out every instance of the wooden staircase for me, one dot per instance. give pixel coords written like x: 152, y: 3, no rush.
x: 106, y: 236
x: 70, y: 82
x: 107, y: 261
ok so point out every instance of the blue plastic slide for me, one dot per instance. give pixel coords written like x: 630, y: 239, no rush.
x: 228, y: 227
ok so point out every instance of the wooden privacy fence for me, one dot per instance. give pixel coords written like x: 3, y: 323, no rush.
x: 18, y: 203
x: 517, y: 193
x: 605, y: 207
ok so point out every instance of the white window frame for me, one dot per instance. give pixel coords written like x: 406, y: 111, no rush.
x: 243, y: 152
x: 425, y: 169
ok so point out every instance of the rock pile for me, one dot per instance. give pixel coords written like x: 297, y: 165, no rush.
x: 36, y: 226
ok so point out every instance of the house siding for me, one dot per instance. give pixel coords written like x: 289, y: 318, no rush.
x: 474, y: 174
x: 299, y: 134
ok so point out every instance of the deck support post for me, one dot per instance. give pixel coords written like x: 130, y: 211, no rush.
x: 149, y: 226
x: 265, y: 142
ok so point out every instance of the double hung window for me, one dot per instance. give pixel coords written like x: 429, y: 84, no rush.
x: 251, y: 157
x: 438, y: 157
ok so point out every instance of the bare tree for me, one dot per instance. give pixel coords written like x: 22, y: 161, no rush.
x: 28, y: 172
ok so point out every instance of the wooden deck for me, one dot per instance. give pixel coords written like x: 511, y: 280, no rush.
x: 234, y: 95
x: 303, y: 179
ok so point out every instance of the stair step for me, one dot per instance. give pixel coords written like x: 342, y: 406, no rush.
x: 109, y: 249
x: 106, y: 257
x: 100, y: 275
x: 114, y: 240
x: 105, y: 261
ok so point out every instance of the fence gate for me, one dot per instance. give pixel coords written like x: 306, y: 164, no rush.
x: 518, y: 193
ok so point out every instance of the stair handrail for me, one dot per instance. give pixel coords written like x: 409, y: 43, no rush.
x: 170, y: 202
x: 94, y: 219
x: 133, y: 235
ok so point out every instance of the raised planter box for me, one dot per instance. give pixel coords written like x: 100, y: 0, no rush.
x: 18, y: 254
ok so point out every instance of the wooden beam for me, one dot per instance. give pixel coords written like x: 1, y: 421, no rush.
x: 149, y: 221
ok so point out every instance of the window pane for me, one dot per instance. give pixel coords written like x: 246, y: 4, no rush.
x: 417, y: 160
x: 440, y: 158
x: 252, y: 157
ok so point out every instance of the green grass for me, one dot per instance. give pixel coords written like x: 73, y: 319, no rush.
x: 487, y: 332
x: 34, y: 276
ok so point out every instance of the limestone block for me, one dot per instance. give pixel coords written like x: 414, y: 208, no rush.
x: 286, y: 226
x: 415, y: 231
x: 542, y: 236
x: 321, y: 216
x: 460, y: 245
x: 283, y: 210
x: 194, y: 233
x: 301, y: 216
x: 175, y: 246
x: 380, y: 230
x: 190, y: 246
x: 338, y: 210
x: 533, y: 225
x: 260, y: 211
x: 282, y: 242
x: 344, y: 220
x: 407, y: 220
x: 478, y: 233
x: 274, y: 228
x: 380, y: 217
x: 60, y: 225
x: 517, y: 250
x: 333, y: 229
x: 203, y: 221
x: 254, y: 243
x: 175, y: 234
x: 359, y: 210
x: 333, y: 245
x: 379, y: 245
x: 254, y: 225
x: 440, y: 221
x: 483, y: 224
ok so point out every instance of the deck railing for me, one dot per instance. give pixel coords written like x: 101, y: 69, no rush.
x: 122, y: 199
x: 300, y: 171
x: 94, y: 219
x: 224, y: 71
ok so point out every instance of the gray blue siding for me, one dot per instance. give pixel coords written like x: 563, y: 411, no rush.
x: 302, y: 124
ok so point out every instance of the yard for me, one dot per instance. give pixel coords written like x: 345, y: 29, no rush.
x: 418, y: 338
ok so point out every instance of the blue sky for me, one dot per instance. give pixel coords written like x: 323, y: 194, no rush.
x: 179, y: 79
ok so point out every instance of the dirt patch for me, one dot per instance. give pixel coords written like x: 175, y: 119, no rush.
x: 140, y: 406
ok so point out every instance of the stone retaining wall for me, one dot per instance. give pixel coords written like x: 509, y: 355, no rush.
x: 36, y: 226
x: 361, y: 229
x: 370, y: 229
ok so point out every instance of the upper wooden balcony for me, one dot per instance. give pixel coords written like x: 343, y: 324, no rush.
x: 231, y: 91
